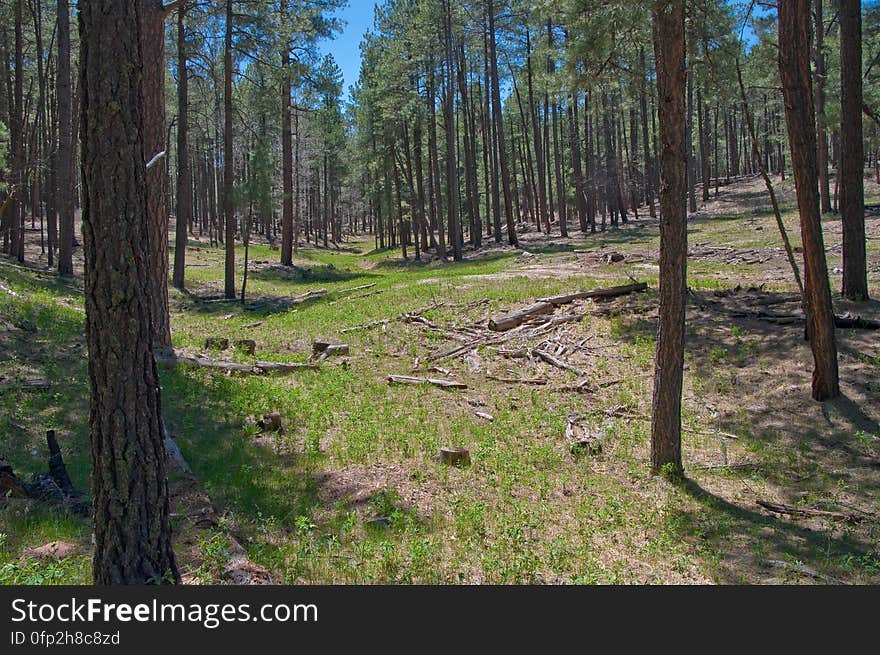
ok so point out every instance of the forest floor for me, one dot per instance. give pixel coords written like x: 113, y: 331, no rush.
x: 353, y: 491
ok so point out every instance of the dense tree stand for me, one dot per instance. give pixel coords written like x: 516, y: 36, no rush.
x: 129, y: 485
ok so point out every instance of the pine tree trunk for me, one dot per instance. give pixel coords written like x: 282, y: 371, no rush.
x: 822, y: 134
x: 228, y: 155
x: 794, y: 70
x: 852, y: 159
x: 184, y: 172
x: 64, y: 161
x: 669, y: 52
x: 132, y: 526
x: 152, y: 15
x: 286, y: 149
x: 499, y: 128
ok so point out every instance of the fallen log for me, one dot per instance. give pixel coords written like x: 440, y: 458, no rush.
x: 842, y: 322
x: 282, y: 367
x: 607, y: 292
x: 437, y: 382
x: 808, y: 512
x: 517, y: 318
x: 547, y: 305
x: 35, y: 384
x: 173, y: 360
x: 535, y: 381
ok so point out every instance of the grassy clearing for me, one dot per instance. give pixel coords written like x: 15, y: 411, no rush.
x: 353, y: 490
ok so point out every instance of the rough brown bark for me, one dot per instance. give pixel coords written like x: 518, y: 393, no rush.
x: 152, y: 34
x: 852, y: 153
x: 794, y: 70
x: 669, y: 52
x: 129, y: 485
x: 64, y: 165
x: 184, y: 173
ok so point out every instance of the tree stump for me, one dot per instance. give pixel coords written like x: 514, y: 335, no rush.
x: 455, y: 456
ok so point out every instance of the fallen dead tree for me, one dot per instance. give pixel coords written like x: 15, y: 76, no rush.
x: 842, y: 322
x: 548, y: 305
x: 173, y: 360
x: 437, y: 382
x: 808, y: 512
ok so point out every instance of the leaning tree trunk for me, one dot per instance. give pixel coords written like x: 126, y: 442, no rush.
x: 669, y: 52
x: 794, y: 70
x: 132, y: 526
x: 852, y: 152
x: 152, y: 15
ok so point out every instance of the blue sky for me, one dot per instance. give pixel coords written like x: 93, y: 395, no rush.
x: 358, y: 18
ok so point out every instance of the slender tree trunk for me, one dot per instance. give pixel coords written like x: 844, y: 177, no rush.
x: 286, y: 149
x: 19, y: 179
x: 499, y: 128
x: 669, y: 52
x: 228, y: 155
x: 65, y: 165
x: 822, y: 133
x: 794, y: 69
x: 852, y: 153
x: 184, y: 172
x: 129, y: 484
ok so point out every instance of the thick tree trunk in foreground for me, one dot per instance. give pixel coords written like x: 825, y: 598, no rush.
x: 794, y: 69
x: 184, y: 174
x: 64, y: 164
x: 132, y: 527
x: 152, y: 15
x: 852, y: 152
x: 669, y: 51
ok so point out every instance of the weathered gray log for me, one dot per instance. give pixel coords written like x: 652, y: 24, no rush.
x: 283, y: 367
x: 172, y: 360
x: 780, y: 508
x: 607, y: 292
x: 547, y: 305
x: 328, y: 348
x: 437, y: 382
x: 535, y: 381
x: 517, y: 318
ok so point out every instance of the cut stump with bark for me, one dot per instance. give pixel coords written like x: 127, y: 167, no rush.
x: 455, y: 456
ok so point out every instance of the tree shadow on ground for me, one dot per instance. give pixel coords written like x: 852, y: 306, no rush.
x: 756, y: 543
